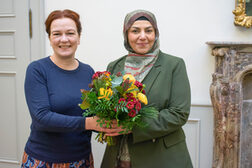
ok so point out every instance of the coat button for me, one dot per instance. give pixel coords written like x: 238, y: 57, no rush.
x: 153, y: 140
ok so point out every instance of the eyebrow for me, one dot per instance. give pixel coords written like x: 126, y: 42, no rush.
x: 60, y: 30
x: 145, y: 28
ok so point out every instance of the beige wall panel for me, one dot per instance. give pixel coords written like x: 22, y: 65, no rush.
x: 192, y: 131
x: 8, y: 127
x: 6, y: 7
x: 7, y: 47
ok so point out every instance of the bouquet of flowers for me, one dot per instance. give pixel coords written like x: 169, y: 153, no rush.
x: 116, y: 97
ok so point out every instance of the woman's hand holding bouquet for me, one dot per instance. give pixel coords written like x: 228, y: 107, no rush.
x: 91, y: 124
x: 115, y: 100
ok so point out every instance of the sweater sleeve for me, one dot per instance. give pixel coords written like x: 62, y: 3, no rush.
x: 37, y: 99
x: 176, y: 112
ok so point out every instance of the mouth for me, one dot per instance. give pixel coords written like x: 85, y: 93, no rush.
x: 142, y: 44
x: 64, y: 46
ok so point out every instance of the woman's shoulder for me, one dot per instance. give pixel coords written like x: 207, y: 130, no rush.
x: 118, y: 60
x: 86, y: 66
x: 169, y: 57
x: 40, y: 63
x: 115, y: 62
x: 174, y: 62
x: 38, y: 67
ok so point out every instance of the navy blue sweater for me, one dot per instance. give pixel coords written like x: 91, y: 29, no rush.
x: 58, y: 128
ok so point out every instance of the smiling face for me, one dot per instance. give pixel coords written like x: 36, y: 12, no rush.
x: 141, y: 36
x: 64, y: 37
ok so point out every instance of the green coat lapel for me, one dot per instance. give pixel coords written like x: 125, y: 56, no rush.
x: 119, y: 66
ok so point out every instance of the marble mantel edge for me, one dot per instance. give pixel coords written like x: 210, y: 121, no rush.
x: 229, y: 43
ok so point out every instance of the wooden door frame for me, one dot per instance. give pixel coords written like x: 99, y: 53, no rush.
x: 37, y: 42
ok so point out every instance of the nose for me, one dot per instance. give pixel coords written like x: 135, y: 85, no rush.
x: 142, y: 35
x: 64, y: 38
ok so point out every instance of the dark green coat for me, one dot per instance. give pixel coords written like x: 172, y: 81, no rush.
x: 162, y: 143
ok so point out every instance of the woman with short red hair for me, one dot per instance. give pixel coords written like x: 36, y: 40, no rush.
x: 60, y: 135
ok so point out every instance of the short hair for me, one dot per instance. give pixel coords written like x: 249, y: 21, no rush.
x: 58, y: 14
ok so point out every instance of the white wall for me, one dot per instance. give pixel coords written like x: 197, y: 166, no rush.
x: 184, y: 28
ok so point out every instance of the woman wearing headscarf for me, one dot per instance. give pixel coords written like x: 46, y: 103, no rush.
x: 162, y: 144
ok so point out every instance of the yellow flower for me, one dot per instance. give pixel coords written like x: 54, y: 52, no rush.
x: 108, y: 83
x: 130, y: 77
x: 134, y: 90
x: 142, y: 98
x: 105, y: 93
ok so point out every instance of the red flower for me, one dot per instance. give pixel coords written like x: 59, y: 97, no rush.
x: 132, y: 99
x: 138, y: 84
x: 118, y: 74
x: 138, y: 106
x: 95, y: 76
x: 129, y: 96
x: 98, y: 74
x: 121, y: 99
x: 143, y: 91
x: 132, y: 113
x: 130, y: 105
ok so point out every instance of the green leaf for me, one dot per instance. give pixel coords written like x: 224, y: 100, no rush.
x: 108, y: 125
x: 85, y: 104
x: 116, y: 81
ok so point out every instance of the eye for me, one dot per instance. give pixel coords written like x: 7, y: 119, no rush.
x: 71, y: 33
x: 149, y: 30
x: 134, y: 31
x: 55, y: 34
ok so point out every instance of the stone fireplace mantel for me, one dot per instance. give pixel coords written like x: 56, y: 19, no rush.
x: 231, y: 96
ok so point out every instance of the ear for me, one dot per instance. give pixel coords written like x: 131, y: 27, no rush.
x: 78, y: 42
x: 49, y: 40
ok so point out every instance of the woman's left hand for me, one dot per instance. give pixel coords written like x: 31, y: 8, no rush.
x: 117, y: 130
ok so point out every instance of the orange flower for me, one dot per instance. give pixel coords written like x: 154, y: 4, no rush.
x: 105, y: 93
x: 130, y: 77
